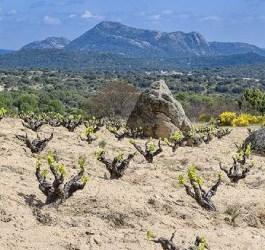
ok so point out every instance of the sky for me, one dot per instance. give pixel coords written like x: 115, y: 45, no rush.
x: 24, y: 21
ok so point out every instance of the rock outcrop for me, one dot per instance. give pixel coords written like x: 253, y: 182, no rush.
x: 257, y: 140
x: 158, y: 113
x: 48, y: 43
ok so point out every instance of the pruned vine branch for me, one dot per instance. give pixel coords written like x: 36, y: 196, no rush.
x: 168, y: 244
x: 57, y: 191
x: 71, y: 123
x: 150, y: 150
x: 202, y: 197
x: 240, y: 167
x: 35, y: 145
x: 33, y: 124
x: 89, y: 134
x: 117, y: 166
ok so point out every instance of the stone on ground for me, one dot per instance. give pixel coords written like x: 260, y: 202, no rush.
x: 158, y: 113
x: 257, y: 140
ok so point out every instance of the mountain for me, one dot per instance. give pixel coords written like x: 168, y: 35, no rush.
x: 114, y: 37
x: 221, y: 48
x: 114, y: 46
x: 121, y: 39
x: 48, y: 43
x: 226, y: 61
x: 5, y: 51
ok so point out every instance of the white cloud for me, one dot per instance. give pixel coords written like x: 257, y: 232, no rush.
x: 155, y: 17
x: 72, y: 16
x: 51, y: 20
x: 163, y: 14
x: 89, y: 15
x: 211, y: 18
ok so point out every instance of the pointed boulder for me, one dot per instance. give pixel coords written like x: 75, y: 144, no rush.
x: 158, y: 113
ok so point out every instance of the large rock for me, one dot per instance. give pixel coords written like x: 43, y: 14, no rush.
x: 158, y: 112
x: 257, y: 140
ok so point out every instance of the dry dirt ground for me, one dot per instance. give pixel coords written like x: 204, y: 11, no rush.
x: 116, y: 214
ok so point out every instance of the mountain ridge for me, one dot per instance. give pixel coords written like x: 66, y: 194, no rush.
x: 232, y: 48
x: 48, y: 43
x: 115, y: 37
x: 112, y: 45
x: 118, y: 38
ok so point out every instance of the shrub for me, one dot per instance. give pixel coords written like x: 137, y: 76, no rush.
x: 205, y: 118
x: 28, y: 103
x: 116, y: 99
x: 3, y: 112
x: 196, y: 104
x: 240, y: 121
x: 252, y: 119
x: 226, y: 118
x: 253, y: 99
x: 246, y: 119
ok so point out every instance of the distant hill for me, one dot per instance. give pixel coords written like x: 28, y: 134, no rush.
x: 60, y: 59
x: 229, y: 60
x: 48, y: 43
x: 220, y: 48
x: 5, y: 51
x: 81, y: 61
x: 114, y: 46
x: 117, y: 38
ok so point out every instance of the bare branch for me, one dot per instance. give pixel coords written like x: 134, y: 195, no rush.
x: 36, y: 145
x: 117, y: 166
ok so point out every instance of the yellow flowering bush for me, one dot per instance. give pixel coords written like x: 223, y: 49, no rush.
x: 227, y: 118
x: 261, y: 119
x: 241, y: 120
x: 244, y: 120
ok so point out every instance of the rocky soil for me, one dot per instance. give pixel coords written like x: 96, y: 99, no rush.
x: 116, y: 214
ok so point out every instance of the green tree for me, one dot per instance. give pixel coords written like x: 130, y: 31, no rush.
x: 27, y: 103
x: 253, y: 99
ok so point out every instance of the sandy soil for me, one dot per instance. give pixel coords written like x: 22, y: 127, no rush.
x: 116, y: 214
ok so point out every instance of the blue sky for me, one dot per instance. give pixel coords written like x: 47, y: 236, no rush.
x: 22, y: 21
